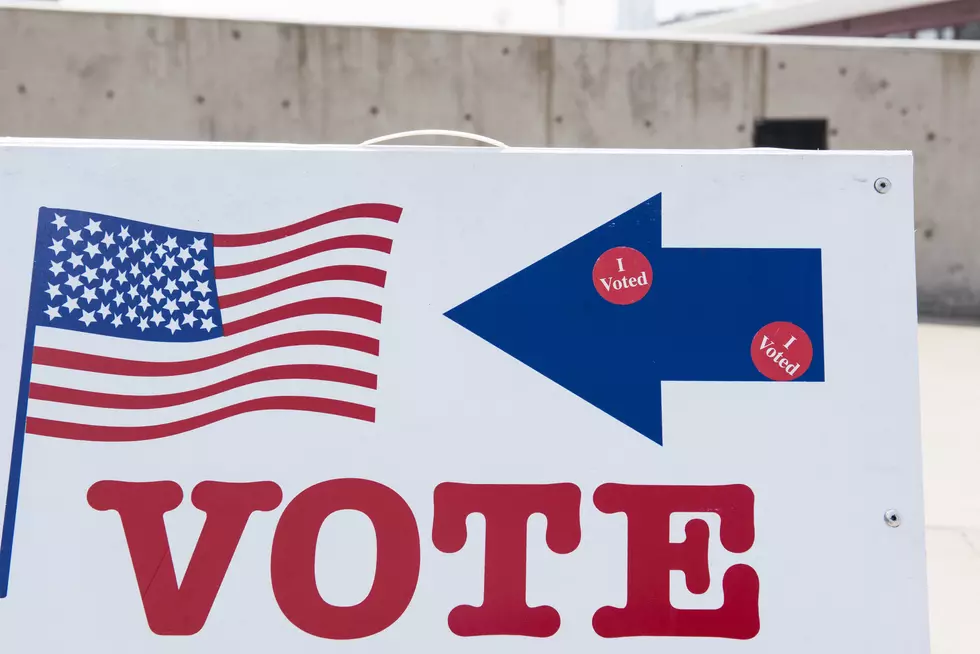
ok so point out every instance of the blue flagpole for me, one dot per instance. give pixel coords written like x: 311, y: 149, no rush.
x: 17, y: 449
x: 16, y: 461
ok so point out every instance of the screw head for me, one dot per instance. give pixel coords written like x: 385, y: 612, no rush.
x: 892, y: 519
x: 883, y: 185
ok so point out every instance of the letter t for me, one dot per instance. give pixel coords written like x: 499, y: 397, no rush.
x: 506, y: 509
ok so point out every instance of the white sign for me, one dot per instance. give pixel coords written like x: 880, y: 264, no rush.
x: 457, y: 400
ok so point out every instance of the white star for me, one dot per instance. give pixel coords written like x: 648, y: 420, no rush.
x: 207, y: 324
x: 198, y: 245
x: 118, y: 298
x: 105, y: 287
x: 185, y: 298
x: 90, y: 275
x: 92, y: 249
x: 156, y: 274
x: 123, y: 234
x: 89, y: 294
x: 147, y: 259
x: 144, y: 304
x: 147, y: 238
x: 93, y: 226
x: 132, y: 292
x: 183, y: 255
x: 53, y: 291
x: 185, y: 277
x: 146, y: 283
x: 71, y: 303
x: 135, y: 271
x: 53, y: 312
x: 143, y: 326
x: 116, y: 321
x: 107, y: 265
x: 169, y: 262
x: 123, y: 254
x: 189, y: 318
x: 157, y: 295
x: 73, y: 282
x: 57, y: 267
x: 57, y: 246
x: 121, y: 278
x: 75, y: 260
x: 170, y: 306
x: 104, y: 311
x: 131, y: 314
x: 204, y: 306
x: 171, y: 286
x: 161, y: 251
x: 157, y: 318
x: 171, y: 243
x: 199, y: 266
x: 134, y: 245
x: 59, y: 222
x: 173, y: 325
x: 88, y: 317
x: 108, y: 240
x: 202, y: 288
x: 74, y: 236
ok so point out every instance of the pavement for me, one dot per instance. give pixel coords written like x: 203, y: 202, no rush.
x: 949, y: 377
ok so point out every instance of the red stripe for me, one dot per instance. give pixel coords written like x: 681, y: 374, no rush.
x: 116, y: 401
x: 354, y: 242
x: 46, y: 356
x: 364, y: 274
x: 341, y: 306
x: 77, y: 432
x: 387, y: 212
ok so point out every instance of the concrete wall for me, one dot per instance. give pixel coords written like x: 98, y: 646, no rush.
x: 121, y: 76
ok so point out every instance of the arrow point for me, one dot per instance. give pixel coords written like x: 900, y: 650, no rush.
x: 550, y: 317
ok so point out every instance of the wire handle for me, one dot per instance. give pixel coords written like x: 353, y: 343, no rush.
x: 436, y: 132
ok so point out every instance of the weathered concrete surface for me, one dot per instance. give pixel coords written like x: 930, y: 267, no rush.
x: 119, y: 76
x: 949, y: 361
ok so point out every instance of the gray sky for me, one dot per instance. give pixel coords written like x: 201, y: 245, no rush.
x: 669, y: 8
x: 579, y: 15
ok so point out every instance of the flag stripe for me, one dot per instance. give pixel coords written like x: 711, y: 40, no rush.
x: 116, y: 401
x: 353, y: 242
x: 133, y: 349
x: 96, y: 433
x: 364, y: 274
x: 380, y: 211
x: 226, y: 256
x: 327, y: 305
x: 89, y: 415
x: 100, y: 383
x: 47, y: 356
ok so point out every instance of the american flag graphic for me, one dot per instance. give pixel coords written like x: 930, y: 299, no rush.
x: 137, y: 331
x: 143, y: 331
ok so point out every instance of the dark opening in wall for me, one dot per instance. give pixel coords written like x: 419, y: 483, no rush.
x: 794, y: 134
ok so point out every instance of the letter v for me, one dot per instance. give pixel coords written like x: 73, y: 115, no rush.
x: 173, y: 610
x: 765, y: 342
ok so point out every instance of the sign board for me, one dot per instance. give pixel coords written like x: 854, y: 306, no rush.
x: 453, y: 400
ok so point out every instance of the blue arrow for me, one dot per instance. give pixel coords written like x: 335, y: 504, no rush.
x: 696, y: 323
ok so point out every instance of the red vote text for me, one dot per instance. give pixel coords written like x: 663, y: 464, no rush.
x: 181, y: 608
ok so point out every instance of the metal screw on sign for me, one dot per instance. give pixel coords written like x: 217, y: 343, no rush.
x: 883, y: 185
x: 892, y: 519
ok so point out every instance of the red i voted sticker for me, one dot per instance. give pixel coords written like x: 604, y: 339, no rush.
x: 782, y: 351
x: 622, y: 275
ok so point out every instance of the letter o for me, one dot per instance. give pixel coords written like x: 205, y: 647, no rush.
x: 294, y: 558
